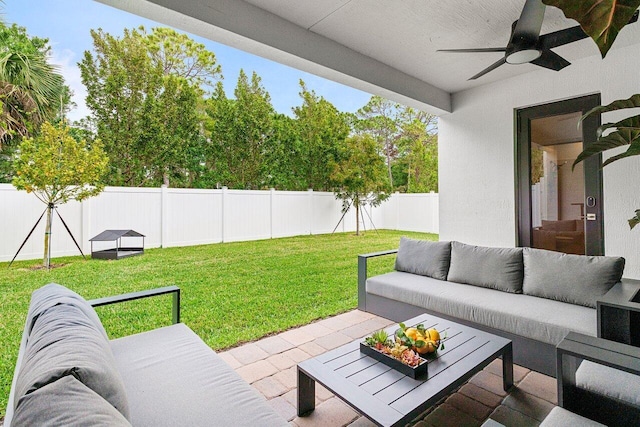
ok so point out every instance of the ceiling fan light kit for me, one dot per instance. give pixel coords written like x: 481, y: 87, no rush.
x: 523, y: 56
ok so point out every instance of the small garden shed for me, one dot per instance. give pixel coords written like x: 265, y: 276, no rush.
x: 116, y: 244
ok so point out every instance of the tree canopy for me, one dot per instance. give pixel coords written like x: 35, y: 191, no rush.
x: 31, y: 90
x: 157, y: 101
x: 58, y: 168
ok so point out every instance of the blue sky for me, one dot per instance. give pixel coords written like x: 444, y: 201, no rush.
x: 67, y: 23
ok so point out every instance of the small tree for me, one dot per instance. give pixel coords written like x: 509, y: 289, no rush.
x: 360, y: 175
x: 57, y: 168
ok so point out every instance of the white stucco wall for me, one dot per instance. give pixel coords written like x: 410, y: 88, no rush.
x: 477, y: 153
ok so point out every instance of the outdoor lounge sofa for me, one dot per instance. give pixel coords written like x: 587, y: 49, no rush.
x: 69, y: 373
x: 533, y: 297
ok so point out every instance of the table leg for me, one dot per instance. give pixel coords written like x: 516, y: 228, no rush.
x: 507, y: 367
x: 306, y: 394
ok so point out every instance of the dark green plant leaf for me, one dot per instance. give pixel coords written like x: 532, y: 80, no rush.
x: 619, y: 104
x: 633, y: 150
x: 613, y: 140
x: 601, y: 20
x: 630, y: 123
x: 635, y: 220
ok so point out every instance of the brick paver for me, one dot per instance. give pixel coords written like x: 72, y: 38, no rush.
x: 541, y: 386
x: 528, y: 404
x: 270, y: 366
x: 274, y: 345
x: 256, y: 371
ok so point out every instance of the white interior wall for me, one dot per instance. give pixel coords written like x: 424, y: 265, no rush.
x: 477, y: 153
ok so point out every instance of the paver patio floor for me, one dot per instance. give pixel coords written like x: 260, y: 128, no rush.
x: 269, y: 365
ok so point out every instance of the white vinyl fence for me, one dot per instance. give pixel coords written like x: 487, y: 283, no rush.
x: 185, y: 217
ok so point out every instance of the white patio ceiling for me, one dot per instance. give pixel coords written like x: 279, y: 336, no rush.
x: 387, y: 47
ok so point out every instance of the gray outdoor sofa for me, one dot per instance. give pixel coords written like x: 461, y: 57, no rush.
x: 69, y: 373
x: 533, y: 297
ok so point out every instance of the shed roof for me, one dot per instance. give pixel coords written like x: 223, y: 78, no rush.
x: 110, y: 235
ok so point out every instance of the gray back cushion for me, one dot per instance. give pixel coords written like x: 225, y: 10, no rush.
x: 423, y: 257
x: 66, y: 402
x: 64, y: 341
x: 576, y: 279
x: 54, y: 294
x: 496, y: 268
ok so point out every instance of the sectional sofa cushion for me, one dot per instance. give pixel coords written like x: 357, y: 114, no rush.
x: 423, y: 257
x: 496, y: 268
x: 560, y: 417
x: 540, y: 319
x: 66, y: 402
x: 64, y: 341
x: 609, y: 382
x: 576, y: 279
x: 54, y: 294
x: 172, y: 366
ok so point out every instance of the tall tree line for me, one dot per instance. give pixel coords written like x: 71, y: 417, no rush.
x: 159, y: 107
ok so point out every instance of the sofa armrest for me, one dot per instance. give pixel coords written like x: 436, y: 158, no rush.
x: 175, y: 310
x: 362, y: 275
x: 576, y: 348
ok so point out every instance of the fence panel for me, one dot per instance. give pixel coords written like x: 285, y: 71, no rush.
x: 184, y: 217
x: 194, y: 217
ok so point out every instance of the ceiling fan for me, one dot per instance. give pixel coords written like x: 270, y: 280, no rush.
x: 527, y: 45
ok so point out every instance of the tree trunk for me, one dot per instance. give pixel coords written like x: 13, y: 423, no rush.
x: 46, y: 259
x: 165, y: 179
x: 389, y: 169
x: 357, y: 205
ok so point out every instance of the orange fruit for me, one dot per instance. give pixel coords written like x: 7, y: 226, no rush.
x: 432, y: 335
x: 411, y: 333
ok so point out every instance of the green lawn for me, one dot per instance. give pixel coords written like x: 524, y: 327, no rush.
x: 231, y: 292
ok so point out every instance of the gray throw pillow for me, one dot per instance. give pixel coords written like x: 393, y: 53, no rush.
x: 63, y: 341
x: 496, y: 268
x: 54, y: 294
x: 66, y: 402
x: 576, y: 279
x: 423, y: 257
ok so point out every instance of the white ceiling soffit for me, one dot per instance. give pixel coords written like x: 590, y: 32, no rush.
x: 386, y: 47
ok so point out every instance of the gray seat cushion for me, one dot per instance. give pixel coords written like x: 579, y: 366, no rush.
x: 576, y: 279
x: 63, y: 341
x: 609, y: 382
x: 173, y: 378
x: 66, y: 402
x: 496, y: 268
x: 423, y: 257
x: 537, y: 318
x: 560, y: 417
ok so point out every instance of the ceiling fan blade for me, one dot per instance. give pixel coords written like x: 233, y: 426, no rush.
x: 481, y: 49
x: 562, y: 37
x: 489, y: 68
x: 530, y: 22
x: 551, y: 60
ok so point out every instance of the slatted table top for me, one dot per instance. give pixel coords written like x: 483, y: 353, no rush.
x: 390, y: 398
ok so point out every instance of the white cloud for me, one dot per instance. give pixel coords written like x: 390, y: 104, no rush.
x: 66, y: 61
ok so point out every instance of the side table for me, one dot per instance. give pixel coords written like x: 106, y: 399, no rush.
x: 619, y: 313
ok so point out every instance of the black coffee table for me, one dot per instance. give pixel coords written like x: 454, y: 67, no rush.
x: 386, y: 396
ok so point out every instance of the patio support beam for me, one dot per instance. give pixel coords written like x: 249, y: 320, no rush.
x: 244, y: 26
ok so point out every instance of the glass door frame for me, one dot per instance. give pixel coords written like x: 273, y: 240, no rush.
x: 594, y: 229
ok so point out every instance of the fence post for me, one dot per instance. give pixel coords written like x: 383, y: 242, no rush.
x: 271, y: 216
x: 396, y: 196
x: 310, y: 192
x: 164, y: 201
x: 222, y: 216
x: 85, y: 208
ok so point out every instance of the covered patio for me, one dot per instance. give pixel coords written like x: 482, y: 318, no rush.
x: 269, y: 365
